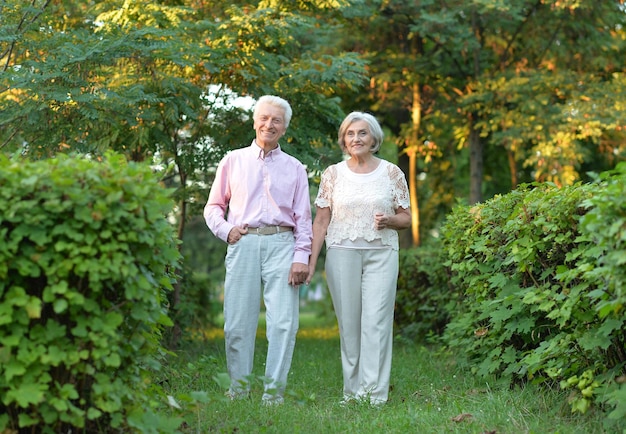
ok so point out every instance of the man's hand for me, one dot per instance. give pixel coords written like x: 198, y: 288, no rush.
x: 236, y: 233
x: 298, y: 274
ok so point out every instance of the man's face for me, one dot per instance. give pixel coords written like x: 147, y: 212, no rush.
x: 269, y: 125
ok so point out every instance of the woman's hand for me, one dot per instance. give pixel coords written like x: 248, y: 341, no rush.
x: 381, y: 221
x: 311, y: 273
x: 400, y: 220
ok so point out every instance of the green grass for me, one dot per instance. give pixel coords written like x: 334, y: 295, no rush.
x: 428, y: 392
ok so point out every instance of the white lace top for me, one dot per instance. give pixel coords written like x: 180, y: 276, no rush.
x: 355, y: 198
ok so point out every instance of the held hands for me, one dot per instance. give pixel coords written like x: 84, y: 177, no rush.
x: 236, y: 233
x: 311, y: 273
x: 298, y: 274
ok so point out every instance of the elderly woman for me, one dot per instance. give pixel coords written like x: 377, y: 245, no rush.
x: 362, y: 203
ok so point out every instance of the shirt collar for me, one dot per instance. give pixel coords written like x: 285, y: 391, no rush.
x: 261, y: 153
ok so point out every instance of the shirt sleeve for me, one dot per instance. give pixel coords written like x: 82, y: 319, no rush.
x: 325, y: 193
x: 303, y: 230
x: 401, y: 196
x: 219, y: 197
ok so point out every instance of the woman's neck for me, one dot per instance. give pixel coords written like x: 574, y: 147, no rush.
x: 363, y: 164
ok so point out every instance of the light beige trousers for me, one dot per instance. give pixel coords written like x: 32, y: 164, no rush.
x: 362, y: 283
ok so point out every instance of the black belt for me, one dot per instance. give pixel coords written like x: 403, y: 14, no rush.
x: 269, y: 230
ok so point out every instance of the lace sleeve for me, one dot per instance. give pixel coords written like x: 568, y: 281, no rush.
x: 325, y: 193
x: 400, y: 190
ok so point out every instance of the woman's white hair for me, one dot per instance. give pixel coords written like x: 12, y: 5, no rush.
x: 374, y: 127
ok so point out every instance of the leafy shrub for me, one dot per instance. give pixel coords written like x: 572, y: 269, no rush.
x: 86, y: 258
x: 541, y: 271
x: 197, y: 308
x: 424, y: 300
x: 602, y: 264
x: 203, y: 276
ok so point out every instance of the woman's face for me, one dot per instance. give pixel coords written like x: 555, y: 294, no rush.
x: 358, y: 139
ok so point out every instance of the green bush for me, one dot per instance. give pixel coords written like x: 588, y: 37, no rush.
x: 197, y: 308
x: 541, y: 273
x: 602, y: 264
x: 86, y: 260
x: 424, y: 300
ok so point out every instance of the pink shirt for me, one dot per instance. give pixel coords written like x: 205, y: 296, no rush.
x: 257, y: 191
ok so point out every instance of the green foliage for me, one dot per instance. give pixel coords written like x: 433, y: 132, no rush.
x: 148, y: 79
x: 538, y: 86
x: 161, y: 81
x: 604, y: 266
x: 199, y: 305
x: 424, y: 301
x: 87, y: 258
x: 552, y: 122
x: 605, y: 226
x: 541, y: 273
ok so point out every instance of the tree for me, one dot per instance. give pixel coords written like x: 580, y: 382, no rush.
x: 155, y: 81
x: 545, y: 58
x: 511, y: 91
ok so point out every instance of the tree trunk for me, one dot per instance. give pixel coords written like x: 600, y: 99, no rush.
x: 512, y: 168
x: 475, y: 144
x: 405, y: 237
x: 476, y: 166
x: 416, y: 117
x: 177, y: 331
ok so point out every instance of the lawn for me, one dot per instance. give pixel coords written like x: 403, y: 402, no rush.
x: 429, y: 394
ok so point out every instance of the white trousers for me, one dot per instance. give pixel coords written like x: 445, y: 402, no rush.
x: 362, y: 283
x: 255, y: 262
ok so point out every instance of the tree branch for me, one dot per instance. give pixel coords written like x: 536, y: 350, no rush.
x: 20, y: 27
x: 514, y: 36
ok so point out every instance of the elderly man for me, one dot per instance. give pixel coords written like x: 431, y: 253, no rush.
x: 265, y: 194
